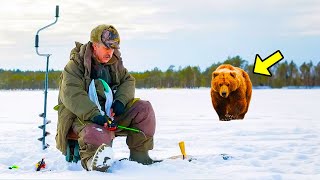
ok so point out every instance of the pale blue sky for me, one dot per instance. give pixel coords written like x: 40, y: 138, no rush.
x: 163, y: 32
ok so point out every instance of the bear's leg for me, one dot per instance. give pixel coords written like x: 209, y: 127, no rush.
x: 237, y: 110
x: 220, y: 105
x: 222, y: 111
x: 241, y: 116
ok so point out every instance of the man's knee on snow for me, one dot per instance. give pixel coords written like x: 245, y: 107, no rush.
x: 96, y: 135
x: 145, y: 119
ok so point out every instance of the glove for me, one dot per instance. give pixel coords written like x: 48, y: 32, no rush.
x: 100, y: 120
x: 118, y: 108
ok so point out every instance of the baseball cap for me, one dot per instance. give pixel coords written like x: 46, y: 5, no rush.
x: 107, y: 35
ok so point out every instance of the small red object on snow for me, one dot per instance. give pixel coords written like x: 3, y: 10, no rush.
x: 40, y: 165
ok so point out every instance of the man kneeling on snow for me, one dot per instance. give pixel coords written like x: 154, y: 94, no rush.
x: 96, y: 95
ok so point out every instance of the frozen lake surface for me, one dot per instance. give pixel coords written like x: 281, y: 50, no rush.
x: 278, y: 139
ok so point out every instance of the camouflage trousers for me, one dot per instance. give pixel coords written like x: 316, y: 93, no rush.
x: 140, y: 115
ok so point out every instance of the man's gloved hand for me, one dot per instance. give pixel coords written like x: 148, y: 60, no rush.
x: 118, y: 108
x: 106, y: 122
x: 100, y: 120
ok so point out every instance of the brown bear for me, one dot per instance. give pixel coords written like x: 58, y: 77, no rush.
x: 231, y: 91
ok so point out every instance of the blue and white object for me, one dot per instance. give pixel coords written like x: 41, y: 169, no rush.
x: 94, y: 97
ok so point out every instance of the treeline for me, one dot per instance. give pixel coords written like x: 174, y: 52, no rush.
x: 16, y: 79
x: 283, y: 74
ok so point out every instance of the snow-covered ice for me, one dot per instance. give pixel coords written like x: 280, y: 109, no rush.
x: 278, y: 139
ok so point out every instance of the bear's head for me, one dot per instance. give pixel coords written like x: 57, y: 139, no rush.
x: 224, y: 81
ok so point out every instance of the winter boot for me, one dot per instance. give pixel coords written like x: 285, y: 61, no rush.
x: 102, y: 159
x: 142, y: 157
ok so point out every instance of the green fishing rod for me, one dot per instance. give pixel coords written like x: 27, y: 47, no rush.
x: 129, y: 129
x: 112, y: 126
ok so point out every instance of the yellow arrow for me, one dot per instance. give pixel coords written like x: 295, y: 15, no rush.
x: 261, y: 67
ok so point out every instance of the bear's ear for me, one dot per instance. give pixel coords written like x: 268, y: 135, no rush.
x: 215, y: 74
x: 233, y: 74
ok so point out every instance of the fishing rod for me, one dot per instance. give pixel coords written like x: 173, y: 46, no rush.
x: 112, y: 126
x: 44, y: 114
